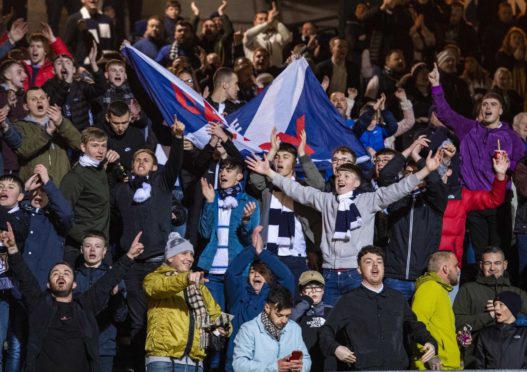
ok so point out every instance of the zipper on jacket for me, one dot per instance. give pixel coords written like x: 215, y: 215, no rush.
x: 410, y: 232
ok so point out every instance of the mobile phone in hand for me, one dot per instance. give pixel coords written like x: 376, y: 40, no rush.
x: 296, y: 355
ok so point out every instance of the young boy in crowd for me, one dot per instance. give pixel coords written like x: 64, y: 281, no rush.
x: 11, y: 194
x: 39, y: 67
x: 504, y: 344
x: 85, y: 186
x: 73, y: 92
x: 374, y: 125
x: 348, y: 219
x: 311, y: 314
x: 245, y: 294
x: 93, y: 250
x: 290, y: 230
x: 227, y: 221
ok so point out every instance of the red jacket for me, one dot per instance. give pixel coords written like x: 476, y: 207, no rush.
x: 455, y: 217
x: 46, y: 70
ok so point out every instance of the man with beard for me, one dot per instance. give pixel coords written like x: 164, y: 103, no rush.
x: 480, y: 141
x: 342, y: 74
x: 474, y: 302
x: 183, y: 46
x: 432, y: 306
x: 269, y: 335
x: 63, y: 333
x: 152, y: 39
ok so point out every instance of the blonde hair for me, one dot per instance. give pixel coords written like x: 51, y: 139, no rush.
x: 93, y: 134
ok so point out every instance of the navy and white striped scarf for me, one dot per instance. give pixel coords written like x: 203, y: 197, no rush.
x: 281, y: 229
x: 228, y: 197
x: 348, y: 217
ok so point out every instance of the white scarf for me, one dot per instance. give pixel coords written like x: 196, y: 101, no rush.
x: 143, y: 193
x: 86, y: 161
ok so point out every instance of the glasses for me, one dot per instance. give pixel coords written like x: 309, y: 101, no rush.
x: 314, y: 289
x: 189, y: 81
x: 340, y: 160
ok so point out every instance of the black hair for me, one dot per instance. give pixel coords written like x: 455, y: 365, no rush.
x: 15, y: 179
x: 492, y: 249
x: 232, y: 163
x: 386, y: 151
x: 118, y: 108
x: 287, y: 147
x: 370, y: 249
x: 65, y: 263
x: 5, y: 65
x: 280, y: 297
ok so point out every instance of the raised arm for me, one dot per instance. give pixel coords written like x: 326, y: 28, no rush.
x: 27, y: 283
x: 458, y: 123
x: 301, y: 194
x: 175, y: 158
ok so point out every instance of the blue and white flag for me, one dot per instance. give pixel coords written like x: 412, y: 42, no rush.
x: 294, y: 101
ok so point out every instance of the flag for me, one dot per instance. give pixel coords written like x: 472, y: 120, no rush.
x: 295, y: 101
x: 175, y: 98
x: 292, y: 102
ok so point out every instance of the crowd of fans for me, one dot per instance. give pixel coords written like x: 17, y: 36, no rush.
x: 126, y: 247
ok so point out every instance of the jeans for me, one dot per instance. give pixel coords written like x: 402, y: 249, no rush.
x: 339, y: 283
x: 216, y: 286
x: 106, y: 363
x: 297, y: 265
x: 11, y: 330
x: 406, y: 287
x: 171, y: 367
x: 136, y: 300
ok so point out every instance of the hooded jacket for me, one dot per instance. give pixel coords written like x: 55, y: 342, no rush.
x: 172, y: 330
x: 431, y: 304
x: 242, y: 301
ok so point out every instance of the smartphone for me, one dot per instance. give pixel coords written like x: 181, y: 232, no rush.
x: 296, y: 355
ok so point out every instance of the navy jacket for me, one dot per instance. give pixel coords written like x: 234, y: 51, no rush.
x: 241, y: 300
x: 44, y: 245
x: 115, y: 312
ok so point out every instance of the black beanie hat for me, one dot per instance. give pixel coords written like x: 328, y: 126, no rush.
x: 512, y: 300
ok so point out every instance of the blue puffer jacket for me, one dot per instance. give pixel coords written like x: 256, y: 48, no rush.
x: 44, y: 245
x: 239, y: 233
x: 115, y: 311
x: 242, y: 301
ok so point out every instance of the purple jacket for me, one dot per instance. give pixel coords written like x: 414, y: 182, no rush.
x: 477, y: 144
